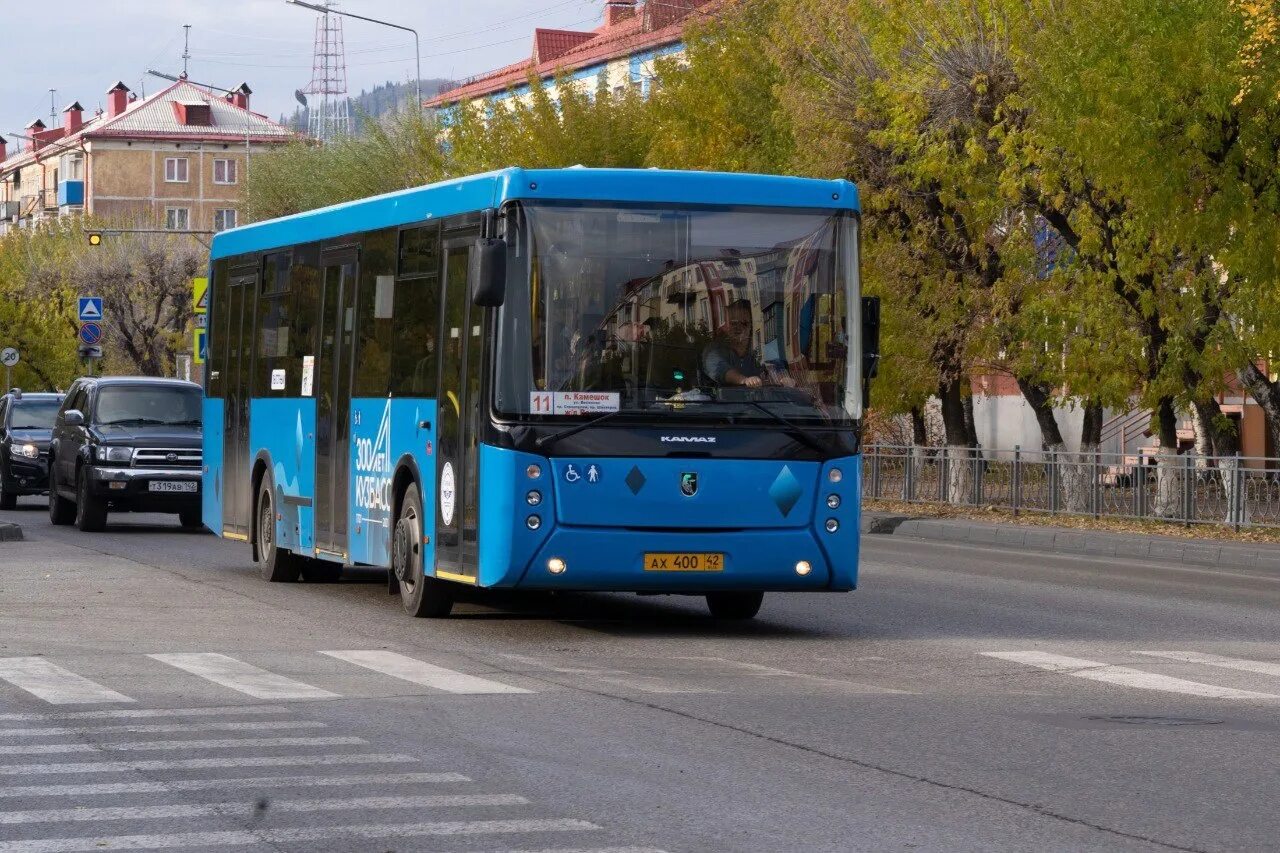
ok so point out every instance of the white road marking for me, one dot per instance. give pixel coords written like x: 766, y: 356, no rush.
x: 617, y: 677
x: 273, y: 782
x: 775, y: 672
x: 426, y: 674
x: 242, y: 808
x: 325, y: 760
x: 170, y: 728
x: 53, y: 684
x: 144, y: 713
x: 1241, y: 664
x: 243, y: 677
x: 283, y: 836
x: 1124, y: 676
x: 161, y: 745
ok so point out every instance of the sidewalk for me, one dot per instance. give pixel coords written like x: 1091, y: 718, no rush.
x: 1094, y: 543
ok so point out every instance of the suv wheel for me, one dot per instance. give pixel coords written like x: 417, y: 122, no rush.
x: 8, y: 500
x: 61, y: 510
x: 91, y: 511
x: 276, y: 565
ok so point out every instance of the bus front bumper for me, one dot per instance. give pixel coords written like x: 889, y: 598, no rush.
x: 644, y: 561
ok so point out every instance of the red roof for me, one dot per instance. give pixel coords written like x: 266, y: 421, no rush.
x: 652, y: 25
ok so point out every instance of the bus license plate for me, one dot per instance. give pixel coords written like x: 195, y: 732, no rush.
x: 683, y: 562
x: 171, y: 486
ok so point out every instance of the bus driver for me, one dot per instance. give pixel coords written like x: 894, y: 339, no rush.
x: 729, y: 358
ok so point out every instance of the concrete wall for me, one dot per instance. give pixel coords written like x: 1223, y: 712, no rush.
x: 1006, y: 421
x: 127, y: 181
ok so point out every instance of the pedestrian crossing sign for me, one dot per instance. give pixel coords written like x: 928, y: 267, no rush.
x: 90, y: 308
x: 200, y: 294
x: 200, y: 346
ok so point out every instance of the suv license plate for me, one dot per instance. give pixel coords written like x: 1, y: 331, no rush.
x: 171, y: 486
x: 683, y: 562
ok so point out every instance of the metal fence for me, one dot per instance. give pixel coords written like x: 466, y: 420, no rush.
x: 1187, y: 488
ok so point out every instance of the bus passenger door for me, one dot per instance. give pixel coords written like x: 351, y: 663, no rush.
x: 238, y: 334
x: 333, y: 399
x: 457, y: 408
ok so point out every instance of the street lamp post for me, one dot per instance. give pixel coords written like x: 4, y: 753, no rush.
x: 417, y: 51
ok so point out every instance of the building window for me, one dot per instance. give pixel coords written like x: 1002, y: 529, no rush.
x: 177, y: 218
x: 175, y: 170
x: 224, y: 171
x: 224, y: 219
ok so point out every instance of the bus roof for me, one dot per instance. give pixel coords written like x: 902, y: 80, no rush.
x: 492, y: 189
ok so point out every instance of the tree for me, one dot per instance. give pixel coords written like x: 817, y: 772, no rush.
x: 37, y: 303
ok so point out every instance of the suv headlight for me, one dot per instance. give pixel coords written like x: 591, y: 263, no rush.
x: 115, y: 454
x: 28, y: 450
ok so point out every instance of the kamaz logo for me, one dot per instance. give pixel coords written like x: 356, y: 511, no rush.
x: 688, y: 439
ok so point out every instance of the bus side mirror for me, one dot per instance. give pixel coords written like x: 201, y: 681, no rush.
x: 489, y: 272
x: 870, y: 336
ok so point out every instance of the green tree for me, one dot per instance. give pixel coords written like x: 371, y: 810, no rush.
x: 37, y: 302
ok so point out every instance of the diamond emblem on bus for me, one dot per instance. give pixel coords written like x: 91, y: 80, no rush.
x: 785, y: 491
x: 635, y: 480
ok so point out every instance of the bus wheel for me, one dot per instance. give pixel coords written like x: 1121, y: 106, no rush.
x: 276, y: 565
x: 420, y: 595
x: 734, y: 605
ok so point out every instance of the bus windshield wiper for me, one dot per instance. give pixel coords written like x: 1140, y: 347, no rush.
x: 545, y: 440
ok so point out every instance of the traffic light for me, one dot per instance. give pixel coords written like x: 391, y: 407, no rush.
x: 95, y: 238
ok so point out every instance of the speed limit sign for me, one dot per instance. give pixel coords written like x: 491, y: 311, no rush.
x: 9, y: 357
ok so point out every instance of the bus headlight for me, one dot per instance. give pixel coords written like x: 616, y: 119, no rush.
x: 556, y: 566
x: 533, y: 498
x: 833, y: 501
x: 803, y: 568
x: 28, y: 450
x: 832, y: 525
x: 835, y: 475
x: 533, y: 472
x: 533, y: 522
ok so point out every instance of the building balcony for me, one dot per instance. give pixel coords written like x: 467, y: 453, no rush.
x: 70, y: 193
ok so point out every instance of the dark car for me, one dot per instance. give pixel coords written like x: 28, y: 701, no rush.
x: 26, y: 423
x: 126, y: 444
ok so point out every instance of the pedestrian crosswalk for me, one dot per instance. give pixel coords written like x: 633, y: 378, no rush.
x: 260, y: 786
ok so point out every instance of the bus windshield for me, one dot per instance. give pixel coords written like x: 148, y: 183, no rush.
x: 690, y: 313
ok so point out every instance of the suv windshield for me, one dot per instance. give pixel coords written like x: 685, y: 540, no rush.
x: 142, y: 405
x: 720, y: 313
x: 33, y: 414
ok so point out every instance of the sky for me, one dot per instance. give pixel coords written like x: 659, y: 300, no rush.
x: 84, y: 46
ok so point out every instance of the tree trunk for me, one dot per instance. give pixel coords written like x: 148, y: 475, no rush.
x: 1267, y: 395
x: 959, y: 453
x: 1038, y: 397
x: 970, y: 430
x: 1224, y: 437
x: 1168, y: 499
x: 919, y: 436
x: 1091, y: 428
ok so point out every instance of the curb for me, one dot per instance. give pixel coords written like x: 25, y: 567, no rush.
x: 1090, y: 543
x: 10, y: 532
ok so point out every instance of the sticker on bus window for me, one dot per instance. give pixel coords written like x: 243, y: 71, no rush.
x: 585, y: 402
x: 448, y: 494
x: 308, y: 373
x: 541, y: 403
x: 277, y: 380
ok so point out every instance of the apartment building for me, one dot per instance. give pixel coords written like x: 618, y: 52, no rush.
x: 174, y: 160
x: 622, y: 52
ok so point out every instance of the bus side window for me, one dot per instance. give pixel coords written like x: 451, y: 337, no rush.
x: 416, y: 313
x: 373, y: 318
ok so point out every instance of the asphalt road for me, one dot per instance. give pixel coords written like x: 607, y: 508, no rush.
x: 156, y: 694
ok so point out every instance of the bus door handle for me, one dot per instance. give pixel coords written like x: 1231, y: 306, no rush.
x: 424, y: 424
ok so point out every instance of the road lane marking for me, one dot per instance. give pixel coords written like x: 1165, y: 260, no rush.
x: 162, y: 745
x: 616, y: 677
x: 419, y: 672
x: 243, y: 809
x: 775, y: 672
x: 163, y: 728
x: 273, y: 782
x: 323, y: 760
x: 1241, y: 664
x: 283, y: 836
x: 242, y: 677
x: 53, y: 684
x: 144, y: 713
x: 1123, y: 676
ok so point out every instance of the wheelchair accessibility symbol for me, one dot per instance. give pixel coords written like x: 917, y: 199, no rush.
x: 571, y: 474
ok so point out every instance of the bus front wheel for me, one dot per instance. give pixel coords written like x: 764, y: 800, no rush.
x: 734, y: 605
x: 420, y: 595
x: 276, y: 565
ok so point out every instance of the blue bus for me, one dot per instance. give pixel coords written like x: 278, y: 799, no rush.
x: 572, y: 379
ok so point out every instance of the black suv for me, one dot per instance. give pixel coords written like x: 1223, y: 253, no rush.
x: 126, y: 444
x: 26, y: 422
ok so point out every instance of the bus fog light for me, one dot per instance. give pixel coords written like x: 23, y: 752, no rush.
x: 835, y: 475
x: 803, y: 568
x: 533, y: 498
x: 833, y: 501
x: 533, y: 522
x: 832, y: 525
x: 556, y: 566
x: 533, y: 472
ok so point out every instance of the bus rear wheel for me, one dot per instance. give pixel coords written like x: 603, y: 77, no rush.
x: 420, y: 595
x: 276, y: 565
x: 734, y: 605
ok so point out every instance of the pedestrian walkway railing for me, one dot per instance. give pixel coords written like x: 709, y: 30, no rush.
x: 1186, y: 488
